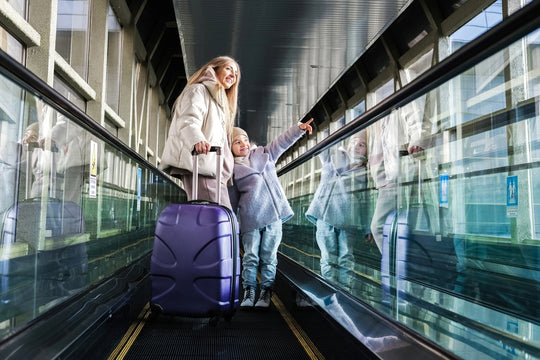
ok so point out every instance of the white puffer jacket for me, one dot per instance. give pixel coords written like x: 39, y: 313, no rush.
x: 200, y: 114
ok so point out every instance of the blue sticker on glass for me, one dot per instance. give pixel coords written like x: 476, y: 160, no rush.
x: 511, y: 191
x: 512, y: 196
x: 443, y: 190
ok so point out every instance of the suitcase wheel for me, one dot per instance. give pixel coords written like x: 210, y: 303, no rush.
x: 155, y: 309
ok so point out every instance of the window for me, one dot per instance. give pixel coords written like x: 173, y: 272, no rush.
x: 114, y: 60
x: 477, y: 26
x: 19, y: 6
x: 72, y: 34
x: 355, y: 112
x: 11, y: 46
x: 417, y: 68
x: 336, y: 125
x: 140, y: 95
x: 111, y: 127
x: 8, y: 43
x: 383, y: 92
x: 322, y: 134
x: 70, y: 94
x: 533, y: 64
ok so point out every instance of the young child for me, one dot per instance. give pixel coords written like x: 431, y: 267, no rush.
x: 260, y: 202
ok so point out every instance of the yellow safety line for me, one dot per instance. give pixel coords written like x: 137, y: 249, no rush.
x: 131, y: 334
x: 134, y: 330
x: 301, y: 251
x: 127, y: 341
x: 121, y: 249
x: 302, y: 337
x: 309, y: 347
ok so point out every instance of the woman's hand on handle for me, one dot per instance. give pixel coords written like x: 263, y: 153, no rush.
x: 305, y: 126
x: 202, y: 147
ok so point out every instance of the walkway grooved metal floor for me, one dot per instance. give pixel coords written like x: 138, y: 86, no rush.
x: 252, y: 334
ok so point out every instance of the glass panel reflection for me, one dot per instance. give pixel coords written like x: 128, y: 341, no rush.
x: 74, y: 208
x: 439, y: 228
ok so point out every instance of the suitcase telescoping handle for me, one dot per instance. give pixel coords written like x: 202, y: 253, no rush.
x: 30, y: 147
x: 195, y: 189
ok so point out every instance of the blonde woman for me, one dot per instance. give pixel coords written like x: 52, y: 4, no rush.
x: 203, y: 116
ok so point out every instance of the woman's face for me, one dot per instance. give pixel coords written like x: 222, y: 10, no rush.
x: 29, y: 137
x: 227, y: 74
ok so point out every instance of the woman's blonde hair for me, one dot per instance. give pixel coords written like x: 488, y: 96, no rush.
x: 232, y: 92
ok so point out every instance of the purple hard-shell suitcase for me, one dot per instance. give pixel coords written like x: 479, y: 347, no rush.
x: 195, y: 264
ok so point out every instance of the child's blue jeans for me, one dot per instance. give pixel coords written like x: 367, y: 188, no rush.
x: 260, y: 246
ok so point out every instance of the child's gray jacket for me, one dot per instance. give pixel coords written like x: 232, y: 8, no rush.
x: 256, y: 194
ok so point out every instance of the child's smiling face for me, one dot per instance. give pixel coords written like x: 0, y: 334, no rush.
x: 240, y: 146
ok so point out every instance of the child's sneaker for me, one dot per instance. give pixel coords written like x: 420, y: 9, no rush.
x: 264, y: 298
x: 249, y: 297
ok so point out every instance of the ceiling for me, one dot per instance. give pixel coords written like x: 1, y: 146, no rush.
x: 290, y: 52
x: 298, y: 58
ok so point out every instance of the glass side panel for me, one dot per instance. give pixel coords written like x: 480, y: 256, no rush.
x: 430, y: 214
x: 74, y: 208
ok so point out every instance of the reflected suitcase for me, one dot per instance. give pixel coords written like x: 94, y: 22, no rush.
x: 36, y: 269
x: 195, y: 264
x: 414, y: 255
x: 388, y: 256
x: 63, y: 218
